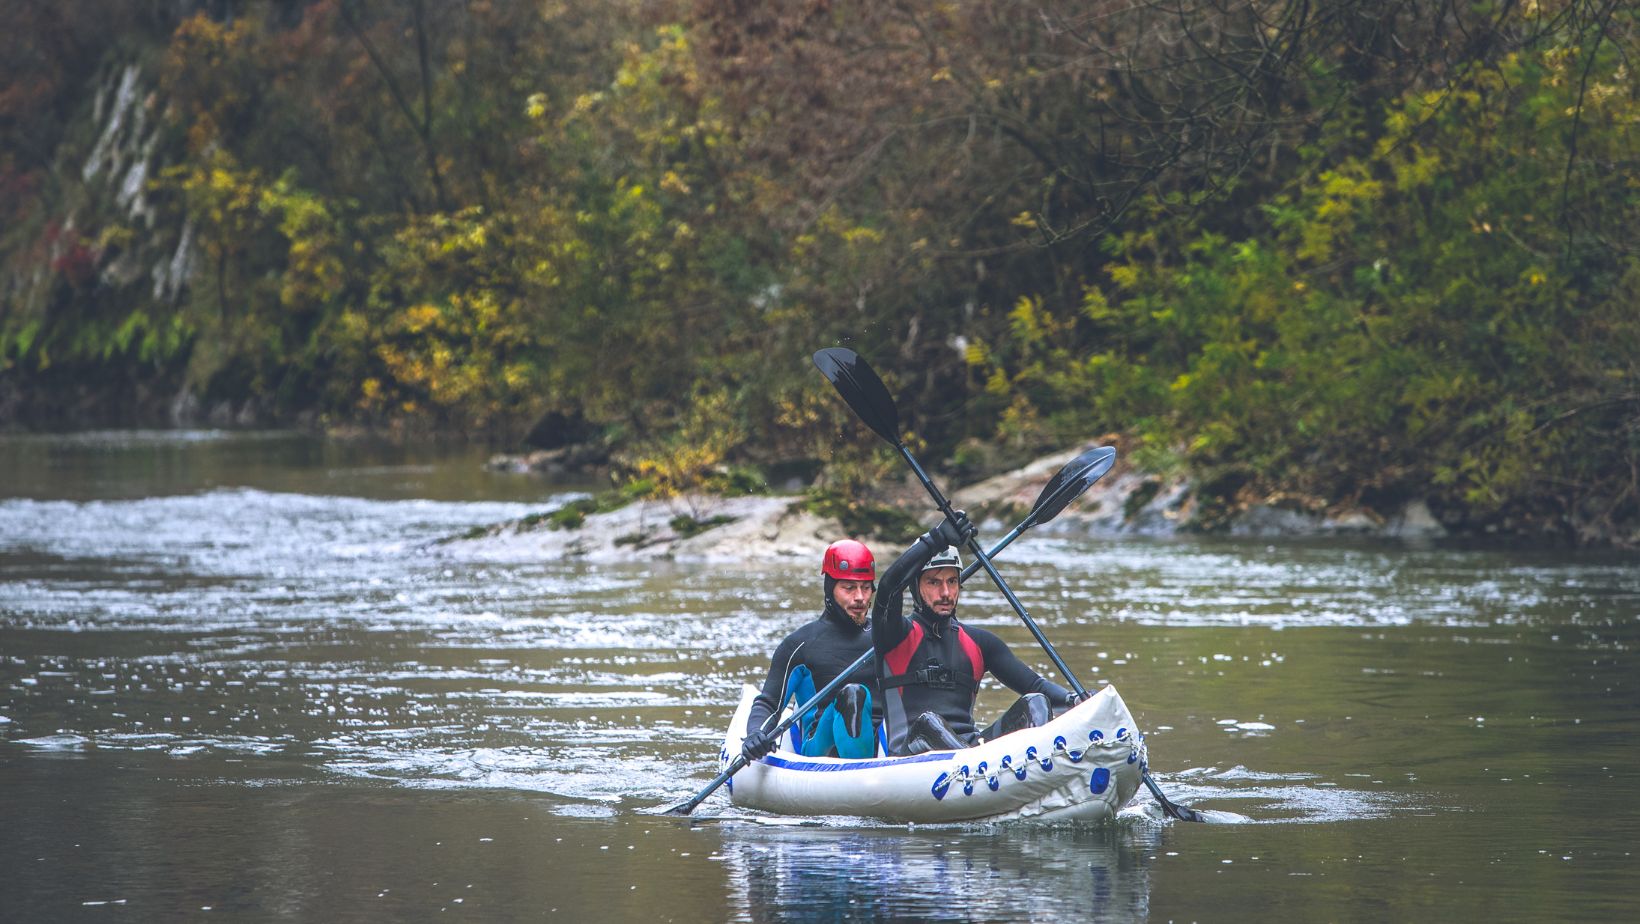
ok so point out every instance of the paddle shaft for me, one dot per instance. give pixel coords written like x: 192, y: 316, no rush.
x: 941, y: 502
x: 735, y: 766
x: 996, y: 550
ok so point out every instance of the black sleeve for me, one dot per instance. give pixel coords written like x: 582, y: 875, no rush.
x: 1014, y: 673
x: 889, y: 626
x: 898, y: 576
x: 773, y: 694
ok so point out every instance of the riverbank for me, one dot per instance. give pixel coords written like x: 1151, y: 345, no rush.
x: 1126, y: 502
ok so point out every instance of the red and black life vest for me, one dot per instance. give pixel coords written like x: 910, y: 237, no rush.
x: 931, y: 671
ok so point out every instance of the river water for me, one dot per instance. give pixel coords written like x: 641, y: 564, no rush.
x: 239, y: 675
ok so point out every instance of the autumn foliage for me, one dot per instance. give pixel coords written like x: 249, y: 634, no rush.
x: 1346, y: 253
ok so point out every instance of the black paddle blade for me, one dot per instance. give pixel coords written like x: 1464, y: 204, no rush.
x: 1169, y: 807
x: 861, y: 389
x: 1077, y: 476
x: 1188, y: 814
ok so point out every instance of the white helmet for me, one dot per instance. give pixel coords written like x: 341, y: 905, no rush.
x: 950, y: 558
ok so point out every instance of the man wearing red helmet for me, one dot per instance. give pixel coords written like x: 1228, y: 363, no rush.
x: 814, y: 655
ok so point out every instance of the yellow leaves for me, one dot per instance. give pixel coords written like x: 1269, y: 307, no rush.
x: 801, y: 410
x: 1020, y: 424
x: 682, y: 460
x: 516, y: 376
x: 1557, y: 59
x: 1602, y: 92
x: 1350, y: 183
x: 1023, y: 220
x: 458, y: 353
x: 674, y: 38
x: 1094, y: 305
x: 976, y: 354
x: 860, y: 234
x: 536, y: 107
x: 673, y: 183
x: 834, y: 223
x: 1125, y: 275
x: 1343, y: 192
x: 1414, y: 165
x: 940, y: 76
x: 353, y: 325
x: 419, y: 318
x: 1025, y: 320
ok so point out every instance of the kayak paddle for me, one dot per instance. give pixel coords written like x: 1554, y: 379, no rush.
x: 864, y: 392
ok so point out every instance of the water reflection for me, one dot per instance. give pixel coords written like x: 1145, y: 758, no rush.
x: 955, y: 874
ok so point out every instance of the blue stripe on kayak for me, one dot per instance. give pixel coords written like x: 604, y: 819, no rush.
x: 775, y: 760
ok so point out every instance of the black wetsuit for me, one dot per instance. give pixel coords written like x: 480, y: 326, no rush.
x: 928, y: 663
x: 827, y: 646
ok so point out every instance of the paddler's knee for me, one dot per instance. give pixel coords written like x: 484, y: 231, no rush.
x: 1029, y: 711
x: 1036, y: 710
x: 854, y: 706
x: 928, y: 732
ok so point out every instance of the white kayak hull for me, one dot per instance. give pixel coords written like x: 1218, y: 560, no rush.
x: 1083, y: 766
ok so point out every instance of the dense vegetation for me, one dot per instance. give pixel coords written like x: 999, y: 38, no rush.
x: 1345, y: 253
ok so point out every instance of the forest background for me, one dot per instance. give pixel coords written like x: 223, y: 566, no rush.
x: 1337, y: 253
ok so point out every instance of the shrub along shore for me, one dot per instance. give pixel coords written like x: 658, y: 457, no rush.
x: 787, y: 526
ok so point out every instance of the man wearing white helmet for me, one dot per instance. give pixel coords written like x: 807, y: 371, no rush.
x: 930, y: 665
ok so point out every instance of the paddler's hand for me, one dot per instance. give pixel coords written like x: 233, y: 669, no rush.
x: 1063, y: 700
x: 756, y: 745
x: 955, y: 531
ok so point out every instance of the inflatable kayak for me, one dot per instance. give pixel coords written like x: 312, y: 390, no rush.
x: 1082, y: 766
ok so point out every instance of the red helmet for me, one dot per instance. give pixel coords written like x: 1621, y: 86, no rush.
x: 848, y: 560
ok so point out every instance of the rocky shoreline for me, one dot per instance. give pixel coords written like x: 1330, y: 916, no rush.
x: 699, y: 528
